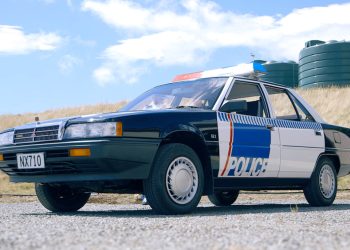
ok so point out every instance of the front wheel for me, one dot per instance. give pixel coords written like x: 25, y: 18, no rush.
x: 224, y: 198
x: 322, y: 187
x: 175, y: 184
x: 60, y: 198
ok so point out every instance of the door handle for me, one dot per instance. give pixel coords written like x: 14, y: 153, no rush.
x: 270, y: 127
x: 318, y: 133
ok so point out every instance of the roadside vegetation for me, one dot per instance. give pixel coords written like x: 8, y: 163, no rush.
x: 333, y: 104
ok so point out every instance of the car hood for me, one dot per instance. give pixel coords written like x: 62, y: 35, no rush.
x: 129, y: 114
x: 102, y: 117
x: 52, y: 122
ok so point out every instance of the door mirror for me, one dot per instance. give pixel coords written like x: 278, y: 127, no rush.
x: 238, y: 106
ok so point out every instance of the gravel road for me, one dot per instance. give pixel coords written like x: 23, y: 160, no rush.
x: 246, y: 225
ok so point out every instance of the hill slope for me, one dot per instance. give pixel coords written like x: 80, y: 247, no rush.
x: 333, y: 104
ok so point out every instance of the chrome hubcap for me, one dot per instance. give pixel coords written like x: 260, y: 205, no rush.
x: 327, y: 181
x: 182, y: 180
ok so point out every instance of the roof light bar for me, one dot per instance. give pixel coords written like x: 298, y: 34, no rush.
x: 188, y: 76
x: 252, y: 70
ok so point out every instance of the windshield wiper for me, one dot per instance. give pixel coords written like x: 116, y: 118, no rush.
x: 183, y: 107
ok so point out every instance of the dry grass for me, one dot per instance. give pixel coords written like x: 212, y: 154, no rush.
x: 344, y: 182
x: 333, y: 104
x: 10, y: 188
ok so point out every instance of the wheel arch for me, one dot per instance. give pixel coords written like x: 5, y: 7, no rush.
x: 333, y: 157
x: 196, y: 142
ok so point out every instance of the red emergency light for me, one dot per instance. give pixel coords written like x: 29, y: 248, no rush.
x: 188, y: 76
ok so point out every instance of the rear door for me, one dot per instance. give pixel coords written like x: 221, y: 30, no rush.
x: 248, y: 143
x: 302, y: 139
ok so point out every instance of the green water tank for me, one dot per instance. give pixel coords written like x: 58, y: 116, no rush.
x: 285, y: 73
x: 323, y: 64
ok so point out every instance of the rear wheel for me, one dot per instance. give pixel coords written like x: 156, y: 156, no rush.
x: 175, y: 184
x: 224, y: 198
x: 60, y: 198
x: 322, y: 188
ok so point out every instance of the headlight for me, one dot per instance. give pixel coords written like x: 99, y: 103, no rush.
x: 6, y: 138
x: 88, y: 130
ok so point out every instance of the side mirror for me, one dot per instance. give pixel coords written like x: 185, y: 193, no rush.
x: 237, y: 106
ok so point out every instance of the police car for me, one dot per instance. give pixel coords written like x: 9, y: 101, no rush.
x: 207, y: 133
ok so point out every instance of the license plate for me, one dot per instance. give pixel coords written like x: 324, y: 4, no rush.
x: 30, y: 161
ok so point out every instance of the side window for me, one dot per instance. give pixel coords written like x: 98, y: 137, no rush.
x: 286, y: 107
x: 250, y: 95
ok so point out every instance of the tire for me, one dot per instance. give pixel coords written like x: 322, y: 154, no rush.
x: 182, y: 164
x: 322, y: 193
x: 60, y: 198
x: 224, y: 199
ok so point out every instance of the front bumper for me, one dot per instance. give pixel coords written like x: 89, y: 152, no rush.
x: 111, y: 159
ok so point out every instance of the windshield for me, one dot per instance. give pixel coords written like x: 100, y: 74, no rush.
x: 201, y: 93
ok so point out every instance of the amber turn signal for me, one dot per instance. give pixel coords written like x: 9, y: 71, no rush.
x: 80, y: 152
x: 1, y: 157
x: 119, y: 129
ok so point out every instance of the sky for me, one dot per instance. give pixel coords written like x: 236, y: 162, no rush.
x: 64, y: 53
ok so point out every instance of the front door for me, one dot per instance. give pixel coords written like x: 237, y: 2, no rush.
x: 249, y: 144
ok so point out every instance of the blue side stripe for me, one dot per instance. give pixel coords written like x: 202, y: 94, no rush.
x: 250, y: 151
x: 261, y: 121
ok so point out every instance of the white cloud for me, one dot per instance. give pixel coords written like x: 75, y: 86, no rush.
x: 191, y: 31
x: 104, y: 75
x: 67, y: 63
x: 14, y: 41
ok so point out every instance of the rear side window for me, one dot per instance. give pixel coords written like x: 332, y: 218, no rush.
x: 286, y: 106
x: 282, y: 104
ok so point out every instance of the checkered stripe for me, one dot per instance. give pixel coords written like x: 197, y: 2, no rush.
x: 261, y: 121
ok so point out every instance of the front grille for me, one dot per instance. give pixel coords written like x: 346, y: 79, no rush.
x: 49, y: 133
x: 52, y: 165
